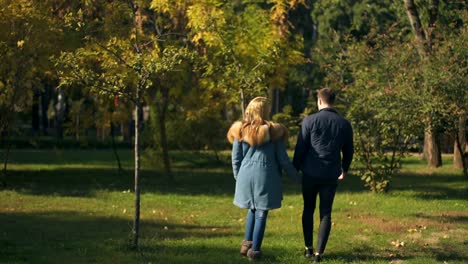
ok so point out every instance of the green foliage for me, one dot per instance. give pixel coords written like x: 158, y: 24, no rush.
x: 243, y: 47
x: 81, y: 118
x: 445, y: 75
x: 390, y: 93
x: 195, y: 62
x: 286, y: 118
x: 384, y: 109
x: 113, y: 69
x: 337, y: 20
x: 27, y: 38
x: 193, y: 123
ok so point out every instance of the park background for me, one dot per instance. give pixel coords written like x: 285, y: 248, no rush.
x: 113, y: 116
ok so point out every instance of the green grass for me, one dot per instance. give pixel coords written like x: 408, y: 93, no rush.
x: 73, y: 207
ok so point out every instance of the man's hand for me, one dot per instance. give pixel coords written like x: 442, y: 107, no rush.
x: 298, y: 179
x: 342, y: 176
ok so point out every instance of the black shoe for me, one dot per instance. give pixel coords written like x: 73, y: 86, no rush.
x: 254, y: 255
x: 317, y: 258
x: 308, y: 253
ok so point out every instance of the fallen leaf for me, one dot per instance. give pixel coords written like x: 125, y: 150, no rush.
x: 398, y: 243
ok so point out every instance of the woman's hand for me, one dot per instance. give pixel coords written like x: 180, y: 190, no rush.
x: 342, y: 176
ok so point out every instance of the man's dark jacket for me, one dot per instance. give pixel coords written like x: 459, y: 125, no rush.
x: 322, y: 137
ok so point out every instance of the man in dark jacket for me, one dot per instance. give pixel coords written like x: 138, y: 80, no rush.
x: 321, y: 140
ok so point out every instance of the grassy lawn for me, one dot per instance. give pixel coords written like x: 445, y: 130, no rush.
x: 73, y: 207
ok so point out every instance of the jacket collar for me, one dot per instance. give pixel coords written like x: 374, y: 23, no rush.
x: 328, y: 109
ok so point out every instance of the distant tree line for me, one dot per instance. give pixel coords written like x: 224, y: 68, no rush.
x: 170, y: 74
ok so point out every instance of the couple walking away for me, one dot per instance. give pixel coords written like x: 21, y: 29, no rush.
x: 323, y: 153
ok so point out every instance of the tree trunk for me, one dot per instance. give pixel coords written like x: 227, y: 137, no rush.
x: 432, y: 151
x: 459, y: 148
x: 35, y: 122
x: 138, y: 110
x: 77, y: 128
x: 162, y: 111
x: 416, y: 24
x: 165, y: 148
x: 114, y: 148
x: 44, y: 108
x: 274, y: 95
x: 7, y: 144
x: 60, y: 114
x: 136, y: 221
x: 125, y: 129
x: 306, y: 27
x: 242, y: 102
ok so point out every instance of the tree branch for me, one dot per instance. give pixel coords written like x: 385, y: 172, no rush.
x: 119, y: 58
x: 134, y: 9
x: 418, y: 30
x: 433, y: 15
x: 103, y: 83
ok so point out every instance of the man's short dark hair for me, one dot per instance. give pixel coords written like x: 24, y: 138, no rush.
x: 327, y: 95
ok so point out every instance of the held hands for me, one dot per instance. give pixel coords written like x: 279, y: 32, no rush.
x: 298, y: 178
x: 342, y: 176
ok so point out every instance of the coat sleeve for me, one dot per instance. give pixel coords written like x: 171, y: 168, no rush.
x: 348, y: 149
x: 237, y: 157
x: 285, y: 162
x: 302, y: 145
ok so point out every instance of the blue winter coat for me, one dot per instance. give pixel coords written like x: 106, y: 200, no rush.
x: 257, y: 169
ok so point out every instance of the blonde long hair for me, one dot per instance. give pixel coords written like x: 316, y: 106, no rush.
x: 257, y: 110
x: 255, y: 129
x: 253, y: 125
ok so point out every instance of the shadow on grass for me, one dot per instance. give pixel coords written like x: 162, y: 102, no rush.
x: 458, y: 217
x: 416, y: 159
x: 432, y: 187
x: 194, y: 174
x: 84, y: 182
x: 369, y: 254
x: 69, y: 156
x: 57, y: 236
x: 357, y: 254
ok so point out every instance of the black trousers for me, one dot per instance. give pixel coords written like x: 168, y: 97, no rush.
x: 326, y: 192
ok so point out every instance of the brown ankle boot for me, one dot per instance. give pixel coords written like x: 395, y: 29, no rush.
x: 245, y: 246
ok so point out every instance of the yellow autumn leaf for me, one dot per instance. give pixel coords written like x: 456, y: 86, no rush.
x: 20, y: 43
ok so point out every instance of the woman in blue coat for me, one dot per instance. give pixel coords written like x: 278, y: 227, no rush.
x: 258, y: 158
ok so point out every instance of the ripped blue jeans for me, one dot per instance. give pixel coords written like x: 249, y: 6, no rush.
x: 255, y: 227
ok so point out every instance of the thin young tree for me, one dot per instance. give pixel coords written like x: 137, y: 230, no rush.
x: 126, y: 63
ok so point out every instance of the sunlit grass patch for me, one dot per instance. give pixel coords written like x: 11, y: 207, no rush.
x: 75, y: 207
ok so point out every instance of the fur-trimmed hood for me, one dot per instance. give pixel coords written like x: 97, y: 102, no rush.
x: 270, y: 131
